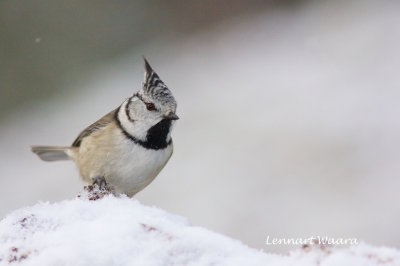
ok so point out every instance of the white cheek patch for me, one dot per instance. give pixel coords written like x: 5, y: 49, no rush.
x: 127, y: 124
x: 136, y: 128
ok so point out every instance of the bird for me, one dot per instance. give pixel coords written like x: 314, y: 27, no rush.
x: 128, y: 147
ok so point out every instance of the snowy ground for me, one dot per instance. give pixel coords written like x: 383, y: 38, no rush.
x: 121, y: 231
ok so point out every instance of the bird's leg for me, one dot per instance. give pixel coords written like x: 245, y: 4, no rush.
x: 100, y: 181
x: 98, y: 189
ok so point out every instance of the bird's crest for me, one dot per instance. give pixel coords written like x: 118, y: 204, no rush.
x: 154, y: 87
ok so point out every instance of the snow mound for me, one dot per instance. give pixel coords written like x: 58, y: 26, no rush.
x: 120, y: 231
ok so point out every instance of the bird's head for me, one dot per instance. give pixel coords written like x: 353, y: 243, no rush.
x: 155, y: 100
x: 152, y: 107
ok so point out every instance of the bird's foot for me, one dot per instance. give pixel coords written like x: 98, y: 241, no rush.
x: 98, y: 189
x: 101, y: 182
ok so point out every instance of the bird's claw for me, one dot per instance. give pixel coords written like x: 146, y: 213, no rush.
x: 100, y: 181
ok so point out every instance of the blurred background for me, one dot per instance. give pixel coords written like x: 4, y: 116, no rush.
x: 289, y: 109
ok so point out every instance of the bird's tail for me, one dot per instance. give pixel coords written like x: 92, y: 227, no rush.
x: 51, y: 153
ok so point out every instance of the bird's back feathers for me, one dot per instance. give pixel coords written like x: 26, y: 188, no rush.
x: 102, y: 122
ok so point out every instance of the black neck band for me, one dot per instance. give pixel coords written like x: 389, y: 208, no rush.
x: 156, y: 138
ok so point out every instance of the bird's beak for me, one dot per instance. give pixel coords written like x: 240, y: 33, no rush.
x: 172, y: 116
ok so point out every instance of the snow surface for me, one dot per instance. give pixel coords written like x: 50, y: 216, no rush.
x: 121, y: 231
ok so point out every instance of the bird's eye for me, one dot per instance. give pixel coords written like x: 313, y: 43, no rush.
x: 150, y: 106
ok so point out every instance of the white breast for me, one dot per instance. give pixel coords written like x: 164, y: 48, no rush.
x: 135, y: 167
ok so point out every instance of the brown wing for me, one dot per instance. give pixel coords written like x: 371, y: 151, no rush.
x: 102, y: 122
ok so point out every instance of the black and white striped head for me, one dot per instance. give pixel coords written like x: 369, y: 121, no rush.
x: 154, y: 100
x: 156, y: 91
x: 153, y: 107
